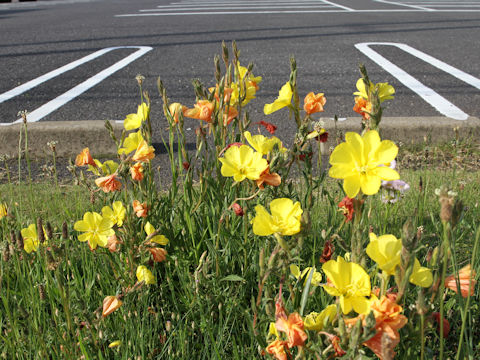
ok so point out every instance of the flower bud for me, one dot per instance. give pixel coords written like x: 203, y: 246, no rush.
x: 110, y: 304
x: 238, y: 209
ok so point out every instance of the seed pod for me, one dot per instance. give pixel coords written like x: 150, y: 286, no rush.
x: 64, y: 230
x: 40, y: 233
x: 20, y: 243
x: 49, y: 230
x: 41, y: 291
x: 6, y: 254
x: 13, y: 239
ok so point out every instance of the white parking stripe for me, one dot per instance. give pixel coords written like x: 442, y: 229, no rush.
x: 441, y: 104
x: 337, y: 5
x: 402, y: 4
x: 235, y: 8
x: 64, y: 98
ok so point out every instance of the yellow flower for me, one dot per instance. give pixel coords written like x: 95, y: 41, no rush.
x: 131, y: 142
x: 385, y: 251
x: 317, y: 321
x: 116, y: 213
x: 30, y: 238
x: 250, y: 82
x: 272, y: 330
x: 96, y: 229
x: 159, y: 239
x: 284, y: 99
x: 143, y: 274
x: 385, y: 91
x: 285, y: 218
x: 350, y: 282
x: 114, y: 344
x: 3, y: 210
x: 242, y: 162
x: 316, y: 277
x: 263, y: 144
x: 134, y: 121
x: 144, y: 152
x: 421, y: 276
x: 360, y: 162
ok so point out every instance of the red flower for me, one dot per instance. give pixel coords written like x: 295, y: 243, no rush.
x: 346, y: 206
x: 327, y: 253
x: 446, y: 324
x: 270, y: 127
x: 323, y: 138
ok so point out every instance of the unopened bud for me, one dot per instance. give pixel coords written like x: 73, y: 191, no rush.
x: 408, y: 236
x: 238, y: 209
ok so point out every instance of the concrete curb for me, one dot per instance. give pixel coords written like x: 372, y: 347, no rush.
x: 73, y: 136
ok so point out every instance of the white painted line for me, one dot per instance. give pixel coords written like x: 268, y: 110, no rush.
x: 232, y: 13
x: 64, y: 98
x: 237, y: 8
x: 441, y: 104
x: 402, y: 4
x: 337, y: 5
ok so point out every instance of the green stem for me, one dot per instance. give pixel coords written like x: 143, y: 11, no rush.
x: 467, y: 305
x: 442, y: 282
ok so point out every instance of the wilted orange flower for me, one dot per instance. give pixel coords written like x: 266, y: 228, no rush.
x: 314, y: 103
x: 346, y: 206
x: 335, y: 340
x: 267, y: 178
x: 84, y: 158
x: 141, y: 209
x: 159, y: 254
x: 175, y: 110
x: 362, y: 106
x: 270, y: 127
x: 467, y: 281
x: 292, y: 326
x: 446, y: 323
x: 388, y: 322
x: 227, y: 93
x: 112, y: 242
x: 109, y: 183
x: 136, y: 171
x: 277, y: 349
x: 202, y: 111
x: 110, y: 304
x: 144, y: 152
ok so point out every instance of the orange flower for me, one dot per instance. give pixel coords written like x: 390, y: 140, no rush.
x: 363, y: 107
x: 110, y: 304
x: 175, y: 110
x: 136, y: 171
x: 141, y: 209
x: 227, y: 93
x: 270, y: 127
x: 109, y: 183
x: 292, y: 326
x: 84, y: 158
x: 388, y: 322
x: 269, y: 179
x: 144, y: 152
x: 158, y: 254
x: 467, y: 281
x: 277, y: 349
x: 202, y: 111
x: 314, y: 103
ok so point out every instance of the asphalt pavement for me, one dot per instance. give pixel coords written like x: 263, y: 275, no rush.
x: 67, y: 61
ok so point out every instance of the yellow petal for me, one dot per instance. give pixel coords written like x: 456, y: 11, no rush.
x: 370, y: 183
x: 351, y: 186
